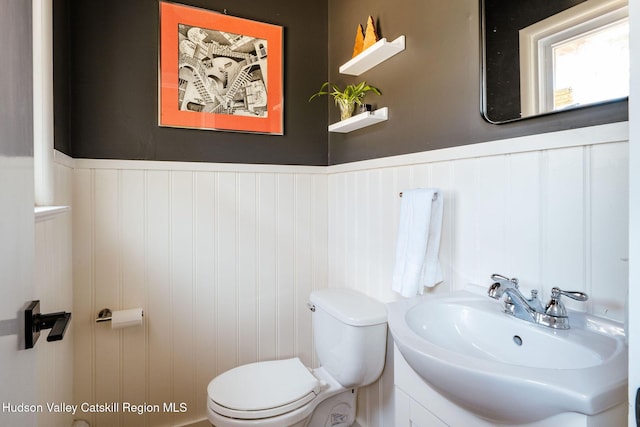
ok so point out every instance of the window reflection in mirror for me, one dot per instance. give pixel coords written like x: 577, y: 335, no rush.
x: 542, y: 56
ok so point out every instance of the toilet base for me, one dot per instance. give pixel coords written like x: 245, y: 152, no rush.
x: 336, y: 411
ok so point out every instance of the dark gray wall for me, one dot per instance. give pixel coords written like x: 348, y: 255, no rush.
x: 108, y: 53
x: 112, y: 84
x: 432, y: 89
x: 16, y: 79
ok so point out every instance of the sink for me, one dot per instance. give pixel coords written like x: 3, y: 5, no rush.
x: 507, y: 370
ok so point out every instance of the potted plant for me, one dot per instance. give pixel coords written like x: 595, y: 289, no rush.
x: 348, y: 98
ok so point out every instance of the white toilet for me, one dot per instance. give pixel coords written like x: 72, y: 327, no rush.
x: 350, y: 334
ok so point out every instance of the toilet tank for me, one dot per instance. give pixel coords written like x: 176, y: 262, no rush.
x: 350, y: 335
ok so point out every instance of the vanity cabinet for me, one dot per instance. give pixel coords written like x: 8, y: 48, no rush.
x: 409, y: 413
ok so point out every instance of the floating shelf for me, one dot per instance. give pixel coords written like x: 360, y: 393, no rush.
x: 360, y: 121
x: 374, y: 55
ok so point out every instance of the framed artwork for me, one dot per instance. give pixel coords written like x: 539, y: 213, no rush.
x: 219, y: 72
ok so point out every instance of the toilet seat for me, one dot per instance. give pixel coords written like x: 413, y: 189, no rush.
x: 262, y: 389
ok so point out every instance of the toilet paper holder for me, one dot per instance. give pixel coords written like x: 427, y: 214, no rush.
x: 106, y: 315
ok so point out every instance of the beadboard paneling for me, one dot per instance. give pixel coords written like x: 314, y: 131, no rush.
x: 222, y: 263
x: 554, y: 217
x: 223, y: 257
x: 551, y: 217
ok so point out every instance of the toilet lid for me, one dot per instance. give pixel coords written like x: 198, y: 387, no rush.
x: 263, y: 389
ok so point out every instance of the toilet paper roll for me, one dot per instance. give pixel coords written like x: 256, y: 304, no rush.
x: 126, y: 318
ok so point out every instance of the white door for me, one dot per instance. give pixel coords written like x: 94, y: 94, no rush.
x: 18, y: 394
x: 634, y: 210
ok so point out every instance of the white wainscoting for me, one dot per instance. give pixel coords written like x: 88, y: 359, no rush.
x: 54, y: 289
x: 222, y: 259
x: 550, y: 209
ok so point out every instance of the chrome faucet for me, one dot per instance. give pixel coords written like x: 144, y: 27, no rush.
x: 501, y: 283
x: 553, y: 315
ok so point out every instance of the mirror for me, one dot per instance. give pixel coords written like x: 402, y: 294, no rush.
x: 542, y: 56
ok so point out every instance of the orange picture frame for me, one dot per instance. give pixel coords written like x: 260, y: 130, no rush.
x: 219, y: 72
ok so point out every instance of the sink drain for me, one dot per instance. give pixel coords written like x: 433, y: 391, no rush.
x: 517, y: 340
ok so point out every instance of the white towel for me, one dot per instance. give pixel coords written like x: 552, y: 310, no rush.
x: 419, y: 231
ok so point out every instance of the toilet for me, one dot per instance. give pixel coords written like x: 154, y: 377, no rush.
x: 350, y: 335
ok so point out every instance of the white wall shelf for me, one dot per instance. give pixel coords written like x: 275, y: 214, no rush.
x: 360, y: 121
x: 374, y: 55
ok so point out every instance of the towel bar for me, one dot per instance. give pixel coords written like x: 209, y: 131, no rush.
x: 435, y: 196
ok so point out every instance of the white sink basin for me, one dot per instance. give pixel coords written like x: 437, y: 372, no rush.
x: 507, y: 370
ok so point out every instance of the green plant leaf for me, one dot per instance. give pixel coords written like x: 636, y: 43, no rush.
x: 351, y: 93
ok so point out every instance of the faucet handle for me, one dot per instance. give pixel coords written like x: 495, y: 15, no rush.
x: 496, y: 289
x: 504, y: 280
x: 556, y: 308
x: 576, y: 295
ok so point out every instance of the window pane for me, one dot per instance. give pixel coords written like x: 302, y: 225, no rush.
x: 592, y: 67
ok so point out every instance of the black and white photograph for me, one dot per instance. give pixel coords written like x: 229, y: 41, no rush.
x: 221, y: 72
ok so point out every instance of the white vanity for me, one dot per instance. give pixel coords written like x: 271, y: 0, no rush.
x: 465, y: 359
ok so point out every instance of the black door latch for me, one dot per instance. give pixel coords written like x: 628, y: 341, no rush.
x: 34, y: 322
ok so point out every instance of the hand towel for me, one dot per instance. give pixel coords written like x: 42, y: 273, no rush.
x: 418, y: 244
